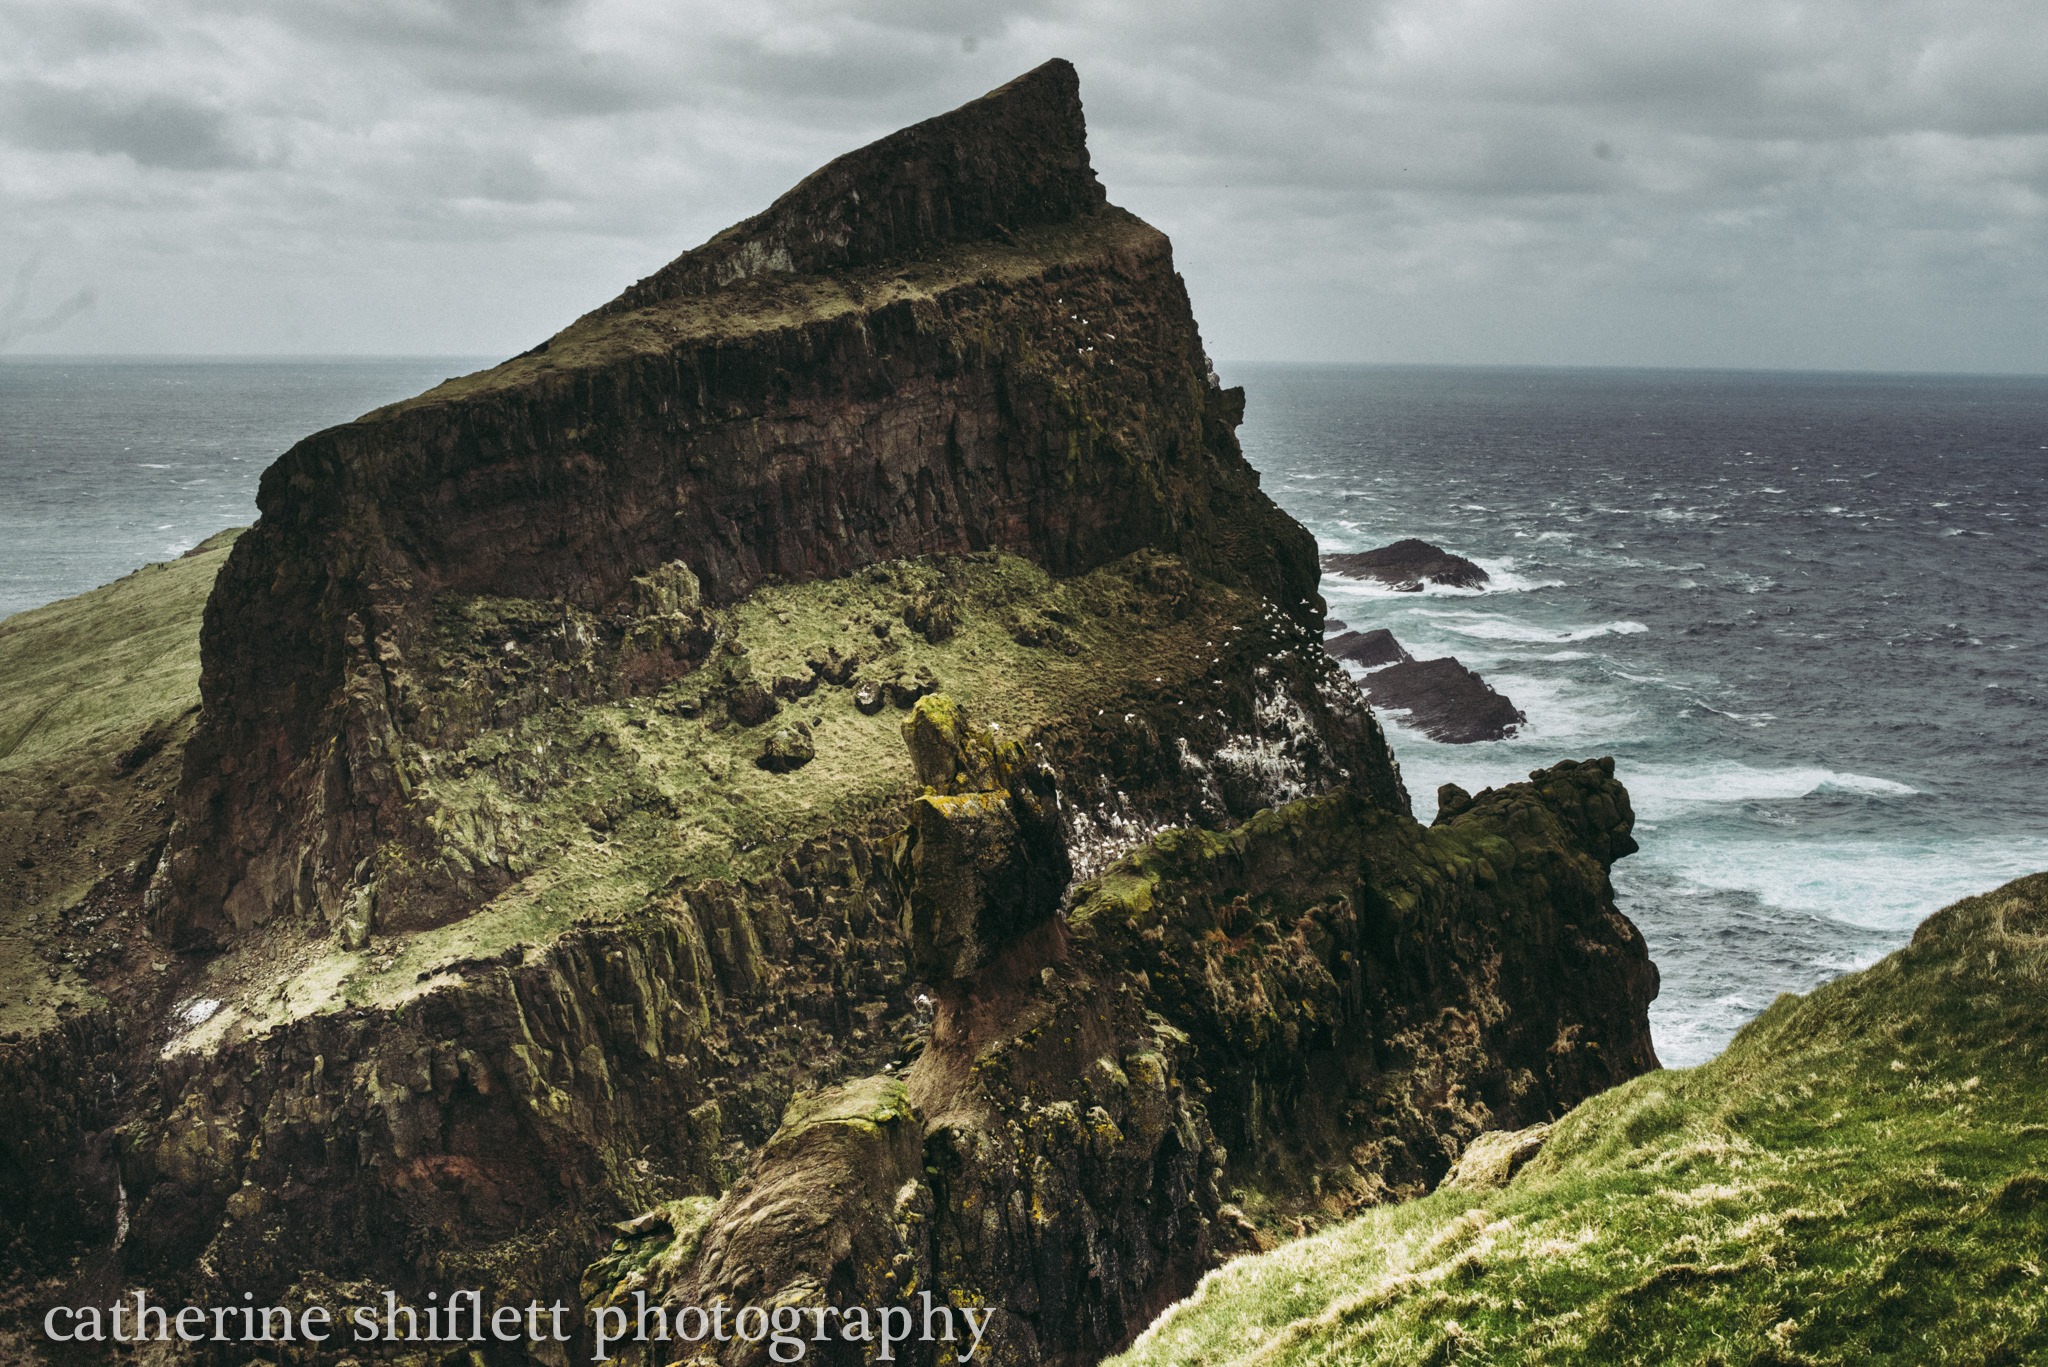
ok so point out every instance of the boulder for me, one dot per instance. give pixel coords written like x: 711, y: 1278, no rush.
x: 789, y: 748
x: 1492, y: 1160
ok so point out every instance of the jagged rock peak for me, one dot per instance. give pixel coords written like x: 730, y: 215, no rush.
x: 1015, y: 158
x: 950, y: 345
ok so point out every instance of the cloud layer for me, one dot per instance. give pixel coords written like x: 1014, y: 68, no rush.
x: 1858, y: 183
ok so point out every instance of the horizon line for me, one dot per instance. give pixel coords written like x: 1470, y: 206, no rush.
x: 487, y: 360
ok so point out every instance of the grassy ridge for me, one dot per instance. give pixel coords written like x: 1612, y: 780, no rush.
x: 97, y: 695
x: 1862, y: 1177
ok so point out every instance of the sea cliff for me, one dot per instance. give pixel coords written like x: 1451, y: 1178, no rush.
x: 819, y: 780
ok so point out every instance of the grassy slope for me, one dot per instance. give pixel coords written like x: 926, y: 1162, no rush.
x: 1862, y: 1177
x: 605, y: 804
x: 96, y: 697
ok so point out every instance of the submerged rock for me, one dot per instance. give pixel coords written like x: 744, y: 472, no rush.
x: 1444, y: 700
x: 1409, y: 565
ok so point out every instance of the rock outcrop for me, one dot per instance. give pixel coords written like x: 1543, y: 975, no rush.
x: 1367, y: 649
x: 946, y: 342
x: 1408, y: 566
x: 1302, y: 1017
x: 1444, y: 700
x: 1441, y: 698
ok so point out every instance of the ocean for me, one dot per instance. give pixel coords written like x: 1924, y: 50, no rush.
x: 108, y: 465
x: 1803, y: 612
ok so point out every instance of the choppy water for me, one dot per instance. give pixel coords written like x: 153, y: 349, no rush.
x: 106, y: 466
x: 1804, y: 612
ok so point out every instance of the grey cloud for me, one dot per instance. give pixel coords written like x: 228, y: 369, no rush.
x: 152, y: 130
x: 18, y: 321
x: 1337, y: 177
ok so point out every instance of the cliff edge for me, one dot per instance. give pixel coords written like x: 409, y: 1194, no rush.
x: 839, y: 723
x: 945, y: 342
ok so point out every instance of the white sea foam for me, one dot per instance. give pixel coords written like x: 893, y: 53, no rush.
x: 1888, y: 885
x: 1661, y: 792
x: 1488, y: 628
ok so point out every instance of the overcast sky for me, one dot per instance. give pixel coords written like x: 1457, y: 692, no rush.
x: 1836, y: 184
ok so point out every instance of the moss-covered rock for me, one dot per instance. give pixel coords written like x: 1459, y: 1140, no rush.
x: 1310, y: 1013
x: 791, y: 747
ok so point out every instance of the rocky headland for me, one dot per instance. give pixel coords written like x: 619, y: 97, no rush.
x: 821, y: 781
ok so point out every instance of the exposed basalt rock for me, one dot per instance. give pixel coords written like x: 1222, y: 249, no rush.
x: 1444, y: 700
x: 1409, y: 565
x: 1319, y: 1009
x: 997, y: 359
x: 483, y: 1133
x: 529, y: 916
x: 984, y: 858
x: 1368, y: 649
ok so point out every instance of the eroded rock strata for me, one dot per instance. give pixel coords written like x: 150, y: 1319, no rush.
x: 1306, y: 1015
x: 547, y: 843
x: 946, y: 342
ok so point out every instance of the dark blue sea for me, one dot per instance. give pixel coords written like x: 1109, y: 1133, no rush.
x: 1803, y: 612
x: 109, y: 465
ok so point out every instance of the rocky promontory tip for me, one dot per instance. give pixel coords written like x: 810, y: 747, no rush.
x: 1013, y: 160
x: 1409, y: 566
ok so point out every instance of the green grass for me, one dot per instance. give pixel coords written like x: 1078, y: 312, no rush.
x: 598, y: 808
x: 1862, y: 1177
x: 97, y: 695
x: 774, y: 302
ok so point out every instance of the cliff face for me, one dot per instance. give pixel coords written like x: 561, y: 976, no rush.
x: 996, y: 360
x: 551, y: 829
x: 1310, y: 1014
